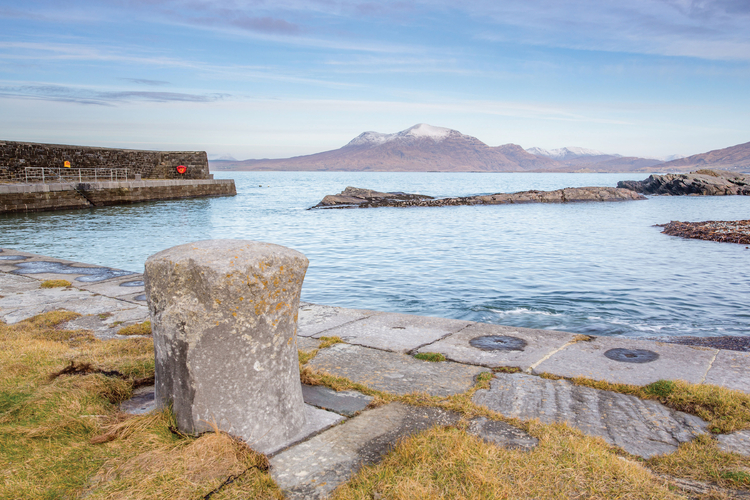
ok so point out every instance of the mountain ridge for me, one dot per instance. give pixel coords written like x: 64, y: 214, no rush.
x: 427, y: 148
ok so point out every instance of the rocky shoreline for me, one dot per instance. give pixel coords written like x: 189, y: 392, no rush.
x: 701, y: 183
x: 352, y: 197
x: 737, y: 231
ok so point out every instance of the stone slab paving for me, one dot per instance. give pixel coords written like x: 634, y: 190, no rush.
x: 315, y: 319
x: 589, y: 359
x: 396, y: 332
x: 644, y: 428
x: 395, y: 372
x: 730, y: 369
x: 317, y: 421
x: 118, y: 287
x: 106, y: 326
x: 737, y: 442
x: 345, y: 403
x: 314, y: 468
x: 307, y: 343
x: 10, y: 284
x: 502, y: 434
x: 20, y: 306
x: 500, y: 345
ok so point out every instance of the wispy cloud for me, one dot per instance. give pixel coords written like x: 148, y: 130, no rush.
x: 78, y: 95
x: 143, y: 81
x: 706, y: 29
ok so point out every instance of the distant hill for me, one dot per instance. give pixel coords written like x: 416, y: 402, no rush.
x: 425, y: 148
x: 733, y: 159
x: 421, y: 148
x: 577, y: 159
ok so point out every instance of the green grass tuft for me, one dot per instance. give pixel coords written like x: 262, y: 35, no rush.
x: 435, y: 357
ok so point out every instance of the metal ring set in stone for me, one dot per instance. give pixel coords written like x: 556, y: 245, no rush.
x: 498, y: 343
x: 508, y: 343
x: 631, y: 355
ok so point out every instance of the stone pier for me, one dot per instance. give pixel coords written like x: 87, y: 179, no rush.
x: 224, y: 320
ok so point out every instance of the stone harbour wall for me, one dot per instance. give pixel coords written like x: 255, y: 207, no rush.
x: 64, y: 196
x: 14, y: 156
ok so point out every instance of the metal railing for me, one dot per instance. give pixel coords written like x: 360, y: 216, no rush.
x: 56, y: 174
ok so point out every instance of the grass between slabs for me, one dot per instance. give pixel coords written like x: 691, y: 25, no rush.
x: 435, y: 357
x: 55, y: 284
x: 136, y: 329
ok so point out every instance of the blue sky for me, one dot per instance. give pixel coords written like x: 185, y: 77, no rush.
x: 269, y: 79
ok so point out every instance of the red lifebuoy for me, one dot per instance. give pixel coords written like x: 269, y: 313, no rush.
x: 181, y: 169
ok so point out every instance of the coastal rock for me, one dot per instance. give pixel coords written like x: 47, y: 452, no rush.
x: 224, y: 319
x: 701, y: 182
x: 726, y: 231
x: 366, y: 198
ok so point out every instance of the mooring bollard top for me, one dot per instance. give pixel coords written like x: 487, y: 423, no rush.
x: 227, y: 253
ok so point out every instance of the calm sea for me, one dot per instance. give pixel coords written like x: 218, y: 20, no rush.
x: 596, y: 268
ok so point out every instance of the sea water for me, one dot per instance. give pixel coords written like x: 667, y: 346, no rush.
x: 594, y: 268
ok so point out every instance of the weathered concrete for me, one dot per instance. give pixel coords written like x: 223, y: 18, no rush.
x: 315, y: 319
x: 395, y: 332
x: 394, y: 372
x: 588, y: 359
x: 345, y: 403
x: 538, y: 344
x: 730, y: 369
x: 502, y: 434
x: 224, y: 316
x: 736, y: 442
x: 644, y: 428
x: 314, y: 468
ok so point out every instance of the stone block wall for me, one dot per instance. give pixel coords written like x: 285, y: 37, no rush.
x: 14, y: 156
x: 70, y: 195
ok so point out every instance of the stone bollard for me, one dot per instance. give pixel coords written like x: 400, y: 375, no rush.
x: 224, y: 320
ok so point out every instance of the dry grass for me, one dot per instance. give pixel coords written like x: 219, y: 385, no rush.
x: 62, y: 436
x: 136, y: 329
x: 329, y: 341
x: 449, y: 463
x: 702, y: 460
x: 55, y: 284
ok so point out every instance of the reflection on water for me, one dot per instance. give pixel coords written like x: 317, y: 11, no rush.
x: 594, y: 268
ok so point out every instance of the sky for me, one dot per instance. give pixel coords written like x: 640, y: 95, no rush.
x: 281, y: 78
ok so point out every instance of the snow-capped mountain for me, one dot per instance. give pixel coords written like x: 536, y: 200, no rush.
x: 421, y: 148
x: 419, y: 131
x: 566, y: 153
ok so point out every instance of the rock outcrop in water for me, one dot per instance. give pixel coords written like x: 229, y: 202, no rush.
x: 731, y: 231
x: 700, y: 182
x: 352, y: 197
